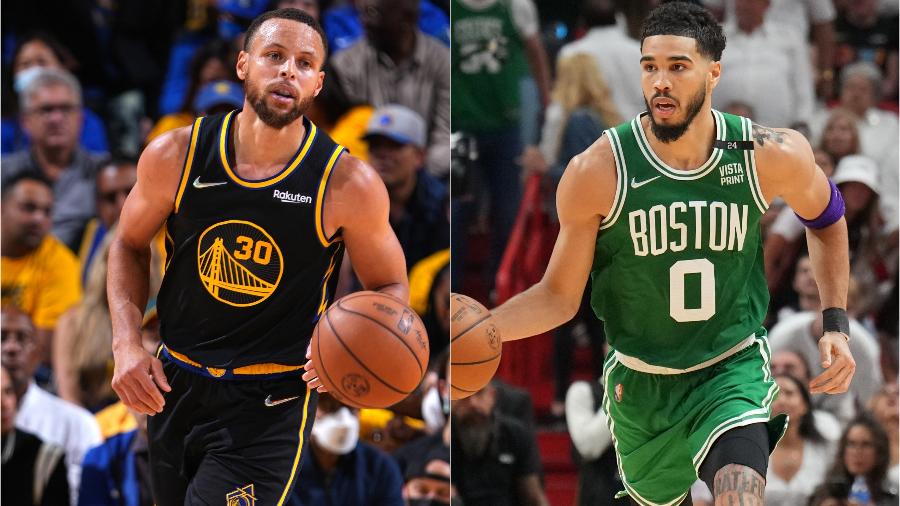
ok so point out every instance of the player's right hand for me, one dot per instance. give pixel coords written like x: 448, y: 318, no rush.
x: 138, y: 379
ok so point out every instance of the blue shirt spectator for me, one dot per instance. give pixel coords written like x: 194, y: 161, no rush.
x: 343, y: 27
x: 111, y: 472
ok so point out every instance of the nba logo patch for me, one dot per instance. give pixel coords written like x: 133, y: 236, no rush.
x: 243, y: 496
x: 619, y: 390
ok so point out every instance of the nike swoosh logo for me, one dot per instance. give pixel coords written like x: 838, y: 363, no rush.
x: 642, y: 183
x: 270, y: 402
x: 198, y: 184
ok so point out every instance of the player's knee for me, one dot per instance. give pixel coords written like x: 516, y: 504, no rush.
x: 738, y: 480
x: 739, y: 455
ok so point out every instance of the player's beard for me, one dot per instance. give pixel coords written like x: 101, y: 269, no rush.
x: 473, y: 433
x: 671, y: 133
x: 270, y: 117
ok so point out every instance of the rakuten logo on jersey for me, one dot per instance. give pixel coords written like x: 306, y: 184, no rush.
x: 292, y: 198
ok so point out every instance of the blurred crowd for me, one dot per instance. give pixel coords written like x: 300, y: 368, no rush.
x: 535, y: 83
x: 86, y: 85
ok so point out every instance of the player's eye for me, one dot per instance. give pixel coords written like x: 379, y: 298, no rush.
x: 649, y: 68
x: 274, y: 56
x: 678, y: 66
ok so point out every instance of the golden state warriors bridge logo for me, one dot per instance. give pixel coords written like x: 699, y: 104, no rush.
x: 243, y: 496
x: 239, y: 263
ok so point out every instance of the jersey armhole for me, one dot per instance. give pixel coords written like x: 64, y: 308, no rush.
x: 320, y: 199
x: 750, y: 163
x: 188, y: 163
x: 621, y: 180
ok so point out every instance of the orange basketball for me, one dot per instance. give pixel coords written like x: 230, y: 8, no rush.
x: 370, y: 350
x: 475, y: 346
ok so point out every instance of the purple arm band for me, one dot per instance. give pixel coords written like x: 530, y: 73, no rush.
x: 831, y: 214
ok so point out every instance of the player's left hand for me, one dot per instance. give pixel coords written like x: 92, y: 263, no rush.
x: 834, y: 350
x: 309, y: 375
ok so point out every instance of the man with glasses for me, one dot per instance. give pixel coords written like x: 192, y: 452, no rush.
x: 51, y: 115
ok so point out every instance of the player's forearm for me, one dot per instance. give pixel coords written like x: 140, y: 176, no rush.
x: 830, y: 258
x: 127, y: 287
x: 399, y: 289
x: 540, y: 68
x: 534, y: 311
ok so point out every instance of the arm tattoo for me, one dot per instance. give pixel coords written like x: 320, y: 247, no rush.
x: 762, y: 134
x: 737, y: 485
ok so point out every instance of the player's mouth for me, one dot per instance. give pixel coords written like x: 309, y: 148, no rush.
x: 664, y: 107
x: 283, y: 94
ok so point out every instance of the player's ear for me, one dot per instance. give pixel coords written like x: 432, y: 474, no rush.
x: 242, y: 62
x: 715, y: 72
x: 319, y: 83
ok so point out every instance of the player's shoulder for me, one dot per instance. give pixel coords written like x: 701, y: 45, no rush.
x: 596, y: 163
x: 778, y: 149
x: 354, y: 181
x: 168, y: 148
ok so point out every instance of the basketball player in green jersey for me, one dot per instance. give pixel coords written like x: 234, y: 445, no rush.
x: 258, y: 206
x: 663, y: 212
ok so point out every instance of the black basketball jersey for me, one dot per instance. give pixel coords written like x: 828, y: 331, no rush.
x: 249, y: 268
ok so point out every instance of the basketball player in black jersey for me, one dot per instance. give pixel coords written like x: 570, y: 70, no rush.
x: 258, y: 206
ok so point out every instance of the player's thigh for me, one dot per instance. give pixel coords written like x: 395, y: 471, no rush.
x: 740, y: 447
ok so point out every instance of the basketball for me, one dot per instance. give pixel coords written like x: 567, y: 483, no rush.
x: 370, y: 350
x: 475, y: 346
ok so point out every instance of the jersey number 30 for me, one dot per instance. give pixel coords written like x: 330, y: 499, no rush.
x: 707, y: 273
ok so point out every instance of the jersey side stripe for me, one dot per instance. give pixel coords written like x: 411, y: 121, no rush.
x: 753, y: 177
x: 188, y: 162
x: 320, y: 197
x: 621, y: 183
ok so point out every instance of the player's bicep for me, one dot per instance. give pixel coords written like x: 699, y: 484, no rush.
x: 159, y: 175
x: 373, y: 247
x: 788, y: 169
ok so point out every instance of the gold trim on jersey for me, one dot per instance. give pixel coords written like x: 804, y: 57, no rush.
x: 168, y: 238
x: 186, y: 172
x: 320, y: 197
x: 247, y: 370
x: 323, y: 302
x: 223, y: 155
x: 224, y: 270
x: 299, y: 447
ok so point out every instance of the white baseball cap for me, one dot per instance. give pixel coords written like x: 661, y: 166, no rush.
x: 398, y: 123
x: 859, y: 169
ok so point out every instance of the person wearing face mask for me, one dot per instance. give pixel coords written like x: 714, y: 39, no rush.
x: 343, y: 470
x: 34, y: 52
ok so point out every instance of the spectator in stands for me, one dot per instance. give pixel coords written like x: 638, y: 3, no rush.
x: 398, y: 64
x: 829, y: 494
x: 857, y: 178
x: 598, y: 474
x: 118, y: 469
x: 113, y: 184
x: 343, y: 26
x: 864, y: 452
x: 798, y: 463
x: 791, y: 363
x: 884, y: 408
x: 34, y: 52
x: 801, y: 332
x: 812, y: 19
x: 218, y: 97
x: 38, y: 274
x: 429, y: 296
x: 840, y: 136
x: 48, y: 417
x: 616, y: 55
x: 211, y: 63
x: 492, y: 42
x: 427, y: 480
x: 344, y: 471
x: 418, y: 215
x: 495, y: 461
x: 769, y: 68
x: 34, y: 472
x: 865, y: 35
x: 51, y: 107
x: 82, y: 348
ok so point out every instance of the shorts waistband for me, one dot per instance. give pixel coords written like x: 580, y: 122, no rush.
x: 255, y: 371
x: 641, y: 366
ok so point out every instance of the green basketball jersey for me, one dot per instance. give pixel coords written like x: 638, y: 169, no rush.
x: 487, y: 63
x: 678, y: 269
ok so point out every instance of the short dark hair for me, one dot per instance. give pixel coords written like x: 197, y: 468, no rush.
x: 287, y: 13
x: 686, y: 19
x: 28, y: 175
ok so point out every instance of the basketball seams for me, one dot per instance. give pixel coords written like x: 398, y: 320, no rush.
x: 360, y: 362
x: 408, y: 347
x: 470, y: 328
x: 322, y: 363
x: 477, y: 362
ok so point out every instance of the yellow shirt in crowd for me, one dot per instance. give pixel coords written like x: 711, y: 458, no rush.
x: 43, y: 284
